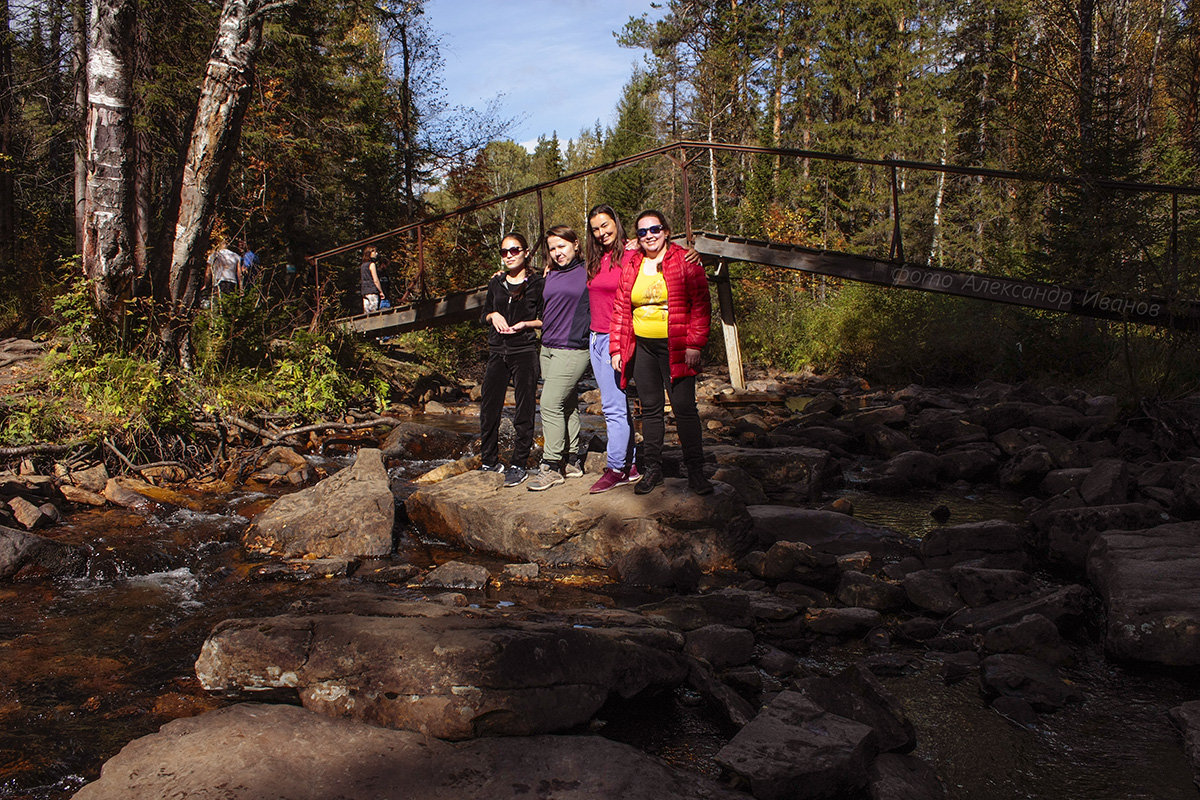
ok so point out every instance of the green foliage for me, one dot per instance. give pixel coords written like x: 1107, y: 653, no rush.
x: 324, y: 372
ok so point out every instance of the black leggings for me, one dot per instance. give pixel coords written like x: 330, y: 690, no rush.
x: 522, y: 369
x: 652, y: 374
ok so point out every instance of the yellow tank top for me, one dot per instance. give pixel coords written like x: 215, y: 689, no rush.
x: 649, y: 301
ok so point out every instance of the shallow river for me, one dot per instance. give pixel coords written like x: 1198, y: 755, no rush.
x: 87, y: 666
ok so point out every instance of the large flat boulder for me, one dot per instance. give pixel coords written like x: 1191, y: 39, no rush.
x: 450, y: 673
x: 350, y: 513
x: 565, y: 525
x: 1148, y: 582
x: 261, y: 752
x: 1067, y: 534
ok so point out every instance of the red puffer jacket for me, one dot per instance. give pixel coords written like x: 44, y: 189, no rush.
x: 689, y: 310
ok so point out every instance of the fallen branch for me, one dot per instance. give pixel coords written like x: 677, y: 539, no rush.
x: 108, y: 443
x: 34, y: 449
x: 319, y: 426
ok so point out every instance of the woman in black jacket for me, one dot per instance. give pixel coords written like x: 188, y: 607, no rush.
x: 513, y: 313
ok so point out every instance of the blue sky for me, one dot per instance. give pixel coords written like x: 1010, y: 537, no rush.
x: 555, y: 61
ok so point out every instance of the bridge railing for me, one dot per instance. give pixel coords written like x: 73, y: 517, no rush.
x: 911, y: 206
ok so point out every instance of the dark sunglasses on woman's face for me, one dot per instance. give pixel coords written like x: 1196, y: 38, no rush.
x: 647, y: 231
x: 509, y: 251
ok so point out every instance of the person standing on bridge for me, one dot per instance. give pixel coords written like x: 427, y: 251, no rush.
x: 660, y: 325
x: 564, y: 358
x: 369, y: 284
x: 512, y: 311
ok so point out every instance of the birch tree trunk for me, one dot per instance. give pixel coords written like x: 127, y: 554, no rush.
x: 108, y: 214
x: 141, y: 168
x: 79, y: 70
x: 224, y: 94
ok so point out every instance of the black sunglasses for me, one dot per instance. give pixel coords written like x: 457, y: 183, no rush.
x: 509, y: 251
x: 652, y: 229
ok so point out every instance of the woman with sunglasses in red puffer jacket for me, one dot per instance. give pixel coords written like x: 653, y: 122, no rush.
x: 660, y: 325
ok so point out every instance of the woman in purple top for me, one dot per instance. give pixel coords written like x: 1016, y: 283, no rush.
x: 564, y: 357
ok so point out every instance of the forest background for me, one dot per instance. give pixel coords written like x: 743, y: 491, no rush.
x: 300, y: 126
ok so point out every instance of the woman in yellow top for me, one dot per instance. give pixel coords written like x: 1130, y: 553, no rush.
x: 660, y: 326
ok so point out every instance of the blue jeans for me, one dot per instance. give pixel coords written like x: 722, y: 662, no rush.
x: 617, y: 420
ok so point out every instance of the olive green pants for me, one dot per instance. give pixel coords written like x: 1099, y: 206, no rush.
x: 561, y: 371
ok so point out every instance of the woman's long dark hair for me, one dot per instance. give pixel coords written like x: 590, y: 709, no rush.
x: 562, y: 232
x: 595, y: 250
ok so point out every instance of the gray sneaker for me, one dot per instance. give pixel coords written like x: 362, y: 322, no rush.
x: 545, y: 477
x: 572, y: 470
x: 514, y: 476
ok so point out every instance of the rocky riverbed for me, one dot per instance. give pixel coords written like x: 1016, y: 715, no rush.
x: 831, y: 653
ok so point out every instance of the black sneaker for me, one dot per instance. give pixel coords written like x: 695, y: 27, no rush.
x: 652, y: 477
x: 498, y: 468
x: 514, y: 476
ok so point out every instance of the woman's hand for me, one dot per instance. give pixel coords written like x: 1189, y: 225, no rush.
x: 691, y: 256
x: 631, y: 244
x: 499, y: 323
x: 616, y: 362
x: 691, y: 357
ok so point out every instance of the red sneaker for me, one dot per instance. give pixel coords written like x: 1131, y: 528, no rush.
x: 611, y: 479
x: 631, y: 475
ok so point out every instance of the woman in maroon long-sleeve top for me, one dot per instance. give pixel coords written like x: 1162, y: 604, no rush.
x: 660, y: 326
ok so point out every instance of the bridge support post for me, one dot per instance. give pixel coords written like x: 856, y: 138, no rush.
x: 729, y: 329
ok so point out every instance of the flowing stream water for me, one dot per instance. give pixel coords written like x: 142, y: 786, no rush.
x: 88, y: 665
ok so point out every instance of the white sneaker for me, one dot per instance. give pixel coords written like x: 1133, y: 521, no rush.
x: 545, y: 477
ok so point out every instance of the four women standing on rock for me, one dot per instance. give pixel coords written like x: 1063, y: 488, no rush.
x: 642, y: 313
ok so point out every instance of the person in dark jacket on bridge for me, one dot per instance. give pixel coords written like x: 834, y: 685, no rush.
x: 660, y: 326
x: 512, y: 312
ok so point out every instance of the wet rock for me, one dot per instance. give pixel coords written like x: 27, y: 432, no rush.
x: 946, y: 428
x: 414, y: 441
x: 958, y: 666
x: 391, y: 573
x: 854, y: 561
x: 458, y: 575
x: 980, y: 587
x: 1065, y: 607
x: 855, y: 693
x: 568, y: 526
x: 688, y: 613
x: 1033, y: 635
x: 784, y: 558
x: 350, y: 513
x: 75, y: 494
x: 785, y: 473
x: 932, y: 590
x: 720, y: 645
x: 774, y: 661
x: 1187, y: 494
x: 912, y: 470
x: 521, y: 572
x: 1027, y: 468
x: 1058, y: 481
x: 747, y: 487
x: 1067, y: 534
x: 999, y: 543
x: 795, y: 750
x: 972, y: 462
x: 453, y: 673
x: 735, y: 709
x: 866, y: 591
x: 1148, y: 581
x: 827, y: 532
x: 868, y: 417
x: 886, y: 442
x: 1033, y: 681
x: 1016, y: 710
x: 27, y: 514
x: 1186, y: 718
x: 252, y: 751
x: 918, y: 629
x: 300, y: 569
x: 902, y: 777
x: 27, y: 555
x: 92, y: 479
x: 135, y: 494
x: 841, y: 621
x: 890, y: 664
x: 1106, y: 484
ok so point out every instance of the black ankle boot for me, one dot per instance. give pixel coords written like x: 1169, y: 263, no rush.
x: 651, y: 478
x: 697, y: 482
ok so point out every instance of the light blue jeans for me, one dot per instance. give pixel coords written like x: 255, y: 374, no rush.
x: 617, y: 420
